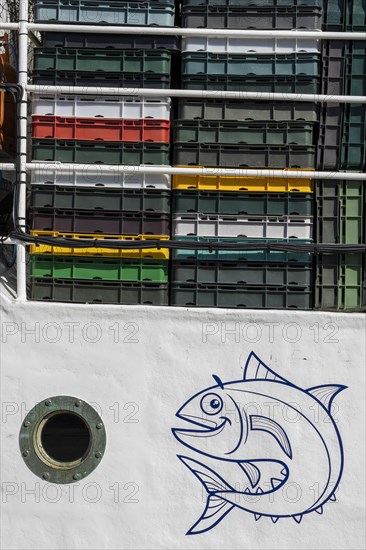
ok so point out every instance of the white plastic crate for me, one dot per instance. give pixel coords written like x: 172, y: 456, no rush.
x: 248, y: 45
x: 84, y: 177
x: 102, y: 106
x: 269, y: 227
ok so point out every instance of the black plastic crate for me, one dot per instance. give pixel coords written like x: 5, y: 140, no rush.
x: 102, y: 222
x: 278, y: 84
x: 93, y: 198
x: 114, y: 41
x: 254, y: 17
x: 94, y: 292
x: 240, y: 296
x: 255, y: 156
x: 233, y: 273
x: 252, y: 204
x: 105, y: 80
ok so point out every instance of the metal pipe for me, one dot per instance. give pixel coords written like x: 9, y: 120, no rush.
x: 156, y: 92
x: 5, y: 166
x: 22, y: 145
x: 9, y: 26
x: 173, y: 31
x: 194, y: 170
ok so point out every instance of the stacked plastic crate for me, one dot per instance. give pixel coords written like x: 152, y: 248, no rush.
x: 100, y: 129
x: 229, y: 134
x: 342, y: 144
x: 7, y: 132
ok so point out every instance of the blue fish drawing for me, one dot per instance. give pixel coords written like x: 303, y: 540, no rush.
x: 283, y: 437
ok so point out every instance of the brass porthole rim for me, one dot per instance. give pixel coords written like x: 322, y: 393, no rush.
x: 36, y: 458
x: 42, y: 453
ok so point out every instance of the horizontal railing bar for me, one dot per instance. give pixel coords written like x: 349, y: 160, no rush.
x: 208, y: 94
x: 9, y: 26
x: 169, y: 170
x: 175, y: 31
x: 194, y: 170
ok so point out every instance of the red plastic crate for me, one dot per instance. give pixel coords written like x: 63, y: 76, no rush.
x: 91, y: 129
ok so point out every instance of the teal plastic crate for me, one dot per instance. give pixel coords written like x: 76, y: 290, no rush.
x: 252, y: 255
x: 112, y: 12
x: 305, y: 64
x: 102, y: 60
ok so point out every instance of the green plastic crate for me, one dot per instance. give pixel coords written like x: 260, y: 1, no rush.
x: 75, y: 267
x: 102, y: 60
x: 102, y: 153
x: 340, y: 211
x: 355, y: 74
x: 353, y: 143
x: 355, y: 15
x: 252, y: 133
x: 339, y: 282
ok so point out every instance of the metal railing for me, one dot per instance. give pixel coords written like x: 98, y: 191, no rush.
x: 25, y: 31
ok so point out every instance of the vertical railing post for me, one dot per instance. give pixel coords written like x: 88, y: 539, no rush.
x: 22, y: 145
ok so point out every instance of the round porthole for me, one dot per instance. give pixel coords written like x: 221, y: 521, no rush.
x: 62, y: 439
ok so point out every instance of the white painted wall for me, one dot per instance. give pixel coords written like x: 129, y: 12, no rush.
x: 147, y: 362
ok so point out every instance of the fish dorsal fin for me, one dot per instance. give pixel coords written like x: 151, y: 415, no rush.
x: 326, y: 394
x: 255, y: 369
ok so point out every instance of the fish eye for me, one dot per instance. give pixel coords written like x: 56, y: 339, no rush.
x: 211, y: 403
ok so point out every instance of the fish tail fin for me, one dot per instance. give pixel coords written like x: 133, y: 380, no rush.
x: 216, y: 506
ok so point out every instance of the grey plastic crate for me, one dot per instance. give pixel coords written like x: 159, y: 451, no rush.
x: 333, y: 67
x: 252, y: 204
x: 95, y: 292
x: 251, y: 3
x: 117, y: 41
x: 330, y: 137
x: 219, y: 109
x: 280, y: 84
x: 255, y: 156
x: 245, y: 274
x: 234, y: 296
x: 286, y: 17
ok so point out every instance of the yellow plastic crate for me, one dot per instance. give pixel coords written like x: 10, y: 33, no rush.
x: 162, y: 254
x: 241, y: 183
